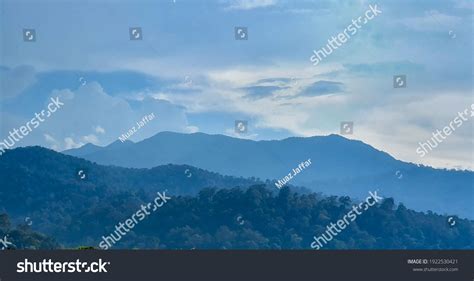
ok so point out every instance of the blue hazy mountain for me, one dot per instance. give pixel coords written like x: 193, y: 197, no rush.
x: 339, y: 166
x: 235, y: 213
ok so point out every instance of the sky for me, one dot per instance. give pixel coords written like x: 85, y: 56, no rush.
x: 191, y: 72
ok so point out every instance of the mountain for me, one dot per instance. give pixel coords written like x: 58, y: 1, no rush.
x: 339, y: 166
x: 87, y: 149
x: 49, y: 187
x: 78, y: 209
x: 231, y: 156
x: 23, y: 168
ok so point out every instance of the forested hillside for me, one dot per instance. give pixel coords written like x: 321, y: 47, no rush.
x: 22, y: 237
x: 207, y: 210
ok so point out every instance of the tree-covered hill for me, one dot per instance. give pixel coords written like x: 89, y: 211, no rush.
x: 22, y: 237
x: 340, y: 166
x: 258, y: 219
x: 233, y: 213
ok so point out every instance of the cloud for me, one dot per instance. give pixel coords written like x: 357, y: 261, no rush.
x: 91, y: 139
x: 70, y: 144
x: 320, y: 88
x: 13, y: 81
x: 249, y: 4
x: 397, y: 126
x: 432, y: 20
x: 274, y: 80
x: 76, y: 122
x: 259, y: 92
x: 382, y: 68
x: 464, y: 4
x: 54, y: 144
x: 99, y: 130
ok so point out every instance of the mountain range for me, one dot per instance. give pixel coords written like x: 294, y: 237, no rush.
x: 75, y: 202
x: 339, y: 166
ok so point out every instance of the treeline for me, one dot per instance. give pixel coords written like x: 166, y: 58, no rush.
x: 44, y: 186
x: 254, y: 218
x: 22, y: 237
x: 258, y: 219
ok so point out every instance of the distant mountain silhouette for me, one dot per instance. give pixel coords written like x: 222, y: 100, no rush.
x: 240, y: 157
x: 339, y: 166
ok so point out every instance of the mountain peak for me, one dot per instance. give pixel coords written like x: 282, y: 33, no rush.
x: 119, y: 143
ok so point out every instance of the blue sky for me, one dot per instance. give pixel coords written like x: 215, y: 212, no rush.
x: 191, y: 72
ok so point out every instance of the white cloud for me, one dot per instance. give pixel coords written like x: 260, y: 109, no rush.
x: 250, y: 4
x: 75, y: 123
x: 91, y: 139
x: 99, y: 130
x: 70, y: 143
x: 192, y: 129
x: 399, y: 125
x: 54, y: 144
x: 393, y: 121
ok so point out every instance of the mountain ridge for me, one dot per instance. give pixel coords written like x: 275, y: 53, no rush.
x: 44, y: 185
x: 340, y: 166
